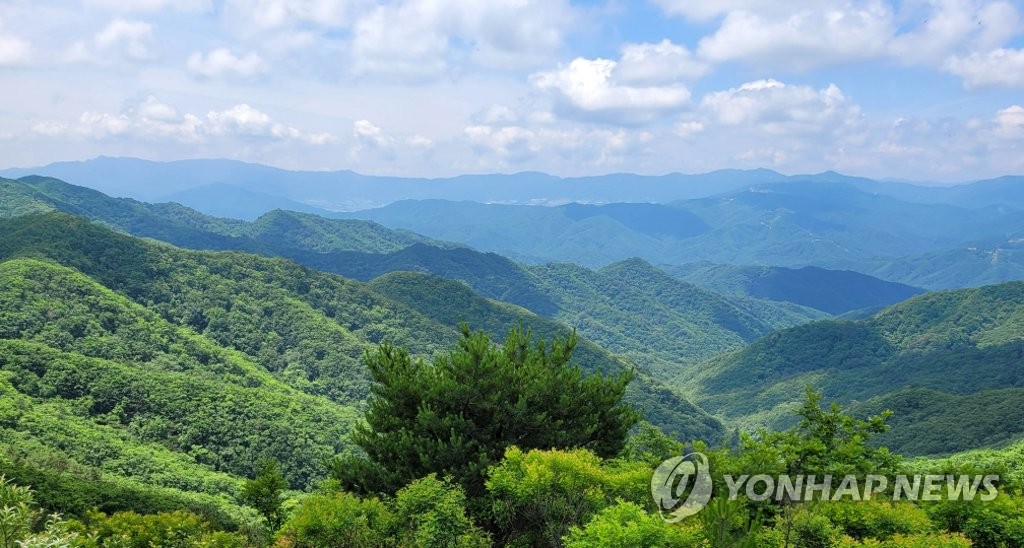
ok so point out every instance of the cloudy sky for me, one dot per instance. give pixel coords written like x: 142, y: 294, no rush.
x: 927, y: 90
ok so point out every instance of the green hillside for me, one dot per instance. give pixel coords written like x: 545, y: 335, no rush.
x: 966, y: 344
x: 308, y: 329
x: 609, y: 308
x: 640, y: 312
x: 832, y: 291
x: 273, y: 233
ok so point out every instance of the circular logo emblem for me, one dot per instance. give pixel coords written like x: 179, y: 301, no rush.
x: 681, y: 486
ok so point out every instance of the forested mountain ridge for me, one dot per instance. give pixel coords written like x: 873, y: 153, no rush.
x: 596, y: 303
x: 792, y: 224
x: 962, y: 345
x: 309, y: 329
x: 636, y: 310
x: 275, y: 232
x: 833, y: 291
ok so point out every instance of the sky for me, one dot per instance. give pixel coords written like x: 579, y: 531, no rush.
x: 923, y: 90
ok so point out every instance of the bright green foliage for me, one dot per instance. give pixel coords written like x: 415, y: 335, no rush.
x: 538, y: 495
x: 938, y: 540
x: 810, y: 530
x: 989, y: 525
x: 627, y: 525
x: 876, y: 519
x: 427, y: 513
x: 17, y: 513
x: 337, y: 520
x: 457, y: 415
x: 168, y: 530
x: 431, y: 513
x: 265, y: 492
x: 23, y: 525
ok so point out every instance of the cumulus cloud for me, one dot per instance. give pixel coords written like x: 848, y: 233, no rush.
x: 150, y: 5
x: 967, y: 38
x: 999, y: 67
x: 222, y: 61
x: 1009, y: 122
x: 659, y: 63
x: 14, y: 51
x: 703, y: 11
x: 262, y: 15
x: 777, y: 108
x: 416, y: 38
x: 590, y: 89
x: 128, y: 39
x: 804, y: 39
x: 151, y: 119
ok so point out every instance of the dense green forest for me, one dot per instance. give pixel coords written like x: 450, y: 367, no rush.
x: 833, y: 291
x: 613, y: 310
x: 929, y: 359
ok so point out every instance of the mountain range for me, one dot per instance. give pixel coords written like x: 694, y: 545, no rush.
x: 156, y: 353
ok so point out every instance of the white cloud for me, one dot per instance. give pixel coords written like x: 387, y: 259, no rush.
x: 223, y: 61
x: 777, y: 108
x: 704, y: 10
x: 956, y: 33
x: 659, y: 63
x: 153, y: 120
x: 367, y: 134
x: 589, y: 88
x: 417, y: 38
x: 689, y: 128
x: 1009, y: 122
x: 14, y: 51
x: 133, y: 39
x: 399, y: 40
x: 150, y: 5
x: 262, y: 15
x: 804, y: 39
x: 1000, y: 67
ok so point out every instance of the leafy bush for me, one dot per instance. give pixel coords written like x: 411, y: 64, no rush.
x: 538, y: 495
x: 876, y: 519
x: 432, y: 513
x: 627, y: 525
x: 337, y: 520
x: 167, y: 529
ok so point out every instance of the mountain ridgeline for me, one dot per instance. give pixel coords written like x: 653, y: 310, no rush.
x: 931, y: 359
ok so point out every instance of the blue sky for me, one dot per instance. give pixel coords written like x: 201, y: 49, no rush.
x: 929, y: 90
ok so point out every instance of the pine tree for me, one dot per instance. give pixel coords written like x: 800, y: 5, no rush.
x: 456, y: 416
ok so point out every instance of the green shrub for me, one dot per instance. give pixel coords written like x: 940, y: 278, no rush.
x: 337, y: 520
x: 627, y: 525
x: 811, y: 530
x: 538, y: 495
x: 933, y: 540
x: 876, y: 519
x: 432, y: 513
x: 177, y: 529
